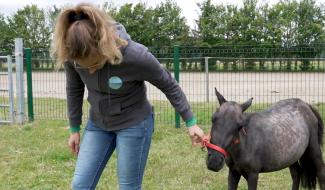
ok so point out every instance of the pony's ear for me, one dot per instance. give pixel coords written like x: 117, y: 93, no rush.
x: 221, y: 99
x: 246, y: 105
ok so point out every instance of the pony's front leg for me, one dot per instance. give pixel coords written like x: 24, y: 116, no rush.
x: 252, y: 179
x: 233, y: 179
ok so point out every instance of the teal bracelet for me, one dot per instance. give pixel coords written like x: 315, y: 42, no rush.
x: 191, y: 122
x: 75, y: 129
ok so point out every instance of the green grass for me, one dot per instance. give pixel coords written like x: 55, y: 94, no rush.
x: 36, y: 156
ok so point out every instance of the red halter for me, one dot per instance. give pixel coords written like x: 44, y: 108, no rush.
x: 205, y: 143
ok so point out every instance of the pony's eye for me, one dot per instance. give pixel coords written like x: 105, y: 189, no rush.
x: 214, y: 117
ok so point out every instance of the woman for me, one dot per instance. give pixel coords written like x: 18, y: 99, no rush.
x: 113, y: 68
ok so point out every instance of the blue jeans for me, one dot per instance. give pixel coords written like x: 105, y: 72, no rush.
x: 132, y: 147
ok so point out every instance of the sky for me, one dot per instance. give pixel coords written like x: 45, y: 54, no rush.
x: 189, y: 8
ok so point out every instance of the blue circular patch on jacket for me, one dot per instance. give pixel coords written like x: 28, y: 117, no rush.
x: 115, y: 82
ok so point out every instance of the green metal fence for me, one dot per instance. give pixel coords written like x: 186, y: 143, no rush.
x: 239, y: 72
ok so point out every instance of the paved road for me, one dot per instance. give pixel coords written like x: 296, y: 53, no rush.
x: 264, y: 87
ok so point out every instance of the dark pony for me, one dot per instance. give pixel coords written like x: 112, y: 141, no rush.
x: 287, y: 134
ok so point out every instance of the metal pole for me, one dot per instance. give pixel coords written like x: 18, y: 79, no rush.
x: 11, y: 90
x: 28, y: 53
x: 207, y: 77
x: 176, y: 75
x: 19, y: 80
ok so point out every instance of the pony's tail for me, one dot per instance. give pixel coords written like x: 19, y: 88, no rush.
x: 320, y: 125
x: 308, y: 169
x: 308, y: 177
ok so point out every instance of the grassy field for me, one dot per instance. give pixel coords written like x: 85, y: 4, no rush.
x: 36, y: 156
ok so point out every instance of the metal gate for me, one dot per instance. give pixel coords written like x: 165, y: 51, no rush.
x: 6, y: 92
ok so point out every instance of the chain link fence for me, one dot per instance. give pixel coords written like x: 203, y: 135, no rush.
x: 239, y: 72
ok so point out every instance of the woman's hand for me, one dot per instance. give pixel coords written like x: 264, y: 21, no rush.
x: 74, y: 141
x: 196, y: 135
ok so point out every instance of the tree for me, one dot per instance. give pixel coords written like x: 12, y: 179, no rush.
x: 169, y: 26
x: 310, y: 27
x: 207, y: 22
x: 232, y: 20
x: 310, y: 23
x: 251, y: 23
x: 29, y: 23
x: 6, y: 38
x: 273, y: 32
x: 226, y: 24
x: 51, y: 16
x: 138, y: 20
x: 109, y: 8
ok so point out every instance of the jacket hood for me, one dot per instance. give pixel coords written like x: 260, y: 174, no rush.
x: 121, y: 31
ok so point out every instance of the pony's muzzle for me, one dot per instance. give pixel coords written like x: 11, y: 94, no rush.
x: 215, y: 161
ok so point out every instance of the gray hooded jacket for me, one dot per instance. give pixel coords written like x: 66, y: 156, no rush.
x: 117, y: 93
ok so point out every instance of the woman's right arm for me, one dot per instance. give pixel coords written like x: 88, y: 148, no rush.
x: 75, y: 91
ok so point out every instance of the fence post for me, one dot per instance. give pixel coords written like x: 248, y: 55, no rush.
x: 207, y: 77
x: 30, y: 104
x: 176, y: 75
x: 19, y: 57
x: 11, y: 90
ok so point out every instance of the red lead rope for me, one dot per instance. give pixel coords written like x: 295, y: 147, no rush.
x: 206, y: 143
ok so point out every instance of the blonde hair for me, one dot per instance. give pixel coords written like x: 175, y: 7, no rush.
x: 84, y: 29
